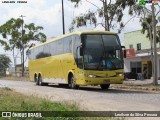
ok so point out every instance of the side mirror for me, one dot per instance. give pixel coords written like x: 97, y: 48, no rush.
x: 81, y: 51
x: 124, y: 51
x: 124, y: 55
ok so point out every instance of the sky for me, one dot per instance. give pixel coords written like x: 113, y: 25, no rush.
x: 47, y: 13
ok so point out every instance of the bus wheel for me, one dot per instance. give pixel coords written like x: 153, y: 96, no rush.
x: 105, y: 86
x: 40, y: 81
x: 72, y: 84
x: 36, y: 80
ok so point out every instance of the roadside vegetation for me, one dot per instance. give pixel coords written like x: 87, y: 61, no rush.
x: 13, y: 101
x: 4, y: 64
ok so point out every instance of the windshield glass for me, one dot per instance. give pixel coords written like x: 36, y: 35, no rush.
x: 102, y: 52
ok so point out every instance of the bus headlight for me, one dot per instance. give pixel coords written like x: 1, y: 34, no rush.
x: 90, y: 76
x: 119, y: 74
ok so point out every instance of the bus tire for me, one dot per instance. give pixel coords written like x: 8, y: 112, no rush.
x: 37, y: 82
x: 105, y: 86
x: 40, y: 81
x: 72, y: 84
x: 36, y: 79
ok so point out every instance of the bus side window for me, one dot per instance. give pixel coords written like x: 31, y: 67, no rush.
x: 53, y: 48
x: 68, y: 44
x: 46, y: 51
x: 60, y: 46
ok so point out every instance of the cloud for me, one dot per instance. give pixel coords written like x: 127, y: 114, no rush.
x: 46, y: 15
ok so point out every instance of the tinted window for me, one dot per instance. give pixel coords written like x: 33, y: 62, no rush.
x: 68, y: 44
x: 98, y: 49
x: 60, y: 46
x: 43, y: 52
x: 46, y: 49
x: 53, y: 48
x: 139, y: 46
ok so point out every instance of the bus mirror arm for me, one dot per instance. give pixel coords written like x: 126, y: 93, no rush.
x: 80, y: 50
x: 124, y: 51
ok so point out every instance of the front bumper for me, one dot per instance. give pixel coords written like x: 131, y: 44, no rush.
x: 98, y: 81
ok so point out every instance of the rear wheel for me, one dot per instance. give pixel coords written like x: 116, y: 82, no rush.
x: 72, y: 84
x: 40, y: 81
x: 105, y: 86
x: 36, y: 80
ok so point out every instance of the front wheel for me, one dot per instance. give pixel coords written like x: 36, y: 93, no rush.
x: 72, y: 84
x: 105, y: 86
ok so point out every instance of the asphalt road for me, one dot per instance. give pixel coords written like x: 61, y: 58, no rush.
x: 90, y: 98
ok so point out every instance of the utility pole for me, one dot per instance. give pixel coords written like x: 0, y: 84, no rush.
x: 106, y: 15
x: 22, y: 47
x: 155, y: 46
x: 63, y: 24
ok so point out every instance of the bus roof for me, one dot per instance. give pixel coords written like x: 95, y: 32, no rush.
x: 73, y: 33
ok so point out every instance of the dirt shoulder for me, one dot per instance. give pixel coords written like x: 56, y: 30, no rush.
x: 138, y: 85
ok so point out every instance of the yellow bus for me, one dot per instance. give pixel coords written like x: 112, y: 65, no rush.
x: 78, y: 59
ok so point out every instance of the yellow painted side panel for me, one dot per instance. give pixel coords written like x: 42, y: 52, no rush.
x: 52, y: 67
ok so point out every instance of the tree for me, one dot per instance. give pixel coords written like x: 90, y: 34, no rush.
x: 149, y: 19
x: 4, y: 64
x: 110, y: 13
x: 16, y: 38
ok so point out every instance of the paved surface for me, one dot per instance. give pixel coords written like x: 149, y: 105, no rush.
x: 91, y: 98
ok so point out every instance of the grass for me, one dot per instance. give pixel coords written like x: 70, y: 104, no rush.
x: 13, y: 101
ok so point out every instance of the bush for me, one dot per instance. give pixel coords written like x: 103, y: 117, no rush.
x: 2, y: 74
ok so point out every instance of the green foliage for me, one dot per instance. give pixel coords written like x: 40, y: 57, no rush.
x: 4, y: 64
x: 147, y: 27
x: 11, y: 32
x: 76, y: 2
x: 13, y: 101
x: 2, y: 74
x: 109, y: 13
x: 4, y: 61
x: 145, y: 16
x: 14, y: 37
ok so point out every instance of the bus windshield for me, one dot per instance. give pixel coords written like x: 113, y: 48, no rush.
x: 102, y: 52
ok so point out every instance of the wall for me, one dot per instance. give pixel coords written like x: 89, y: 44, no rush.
x: 127, y: 67
x: 134, y: 38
